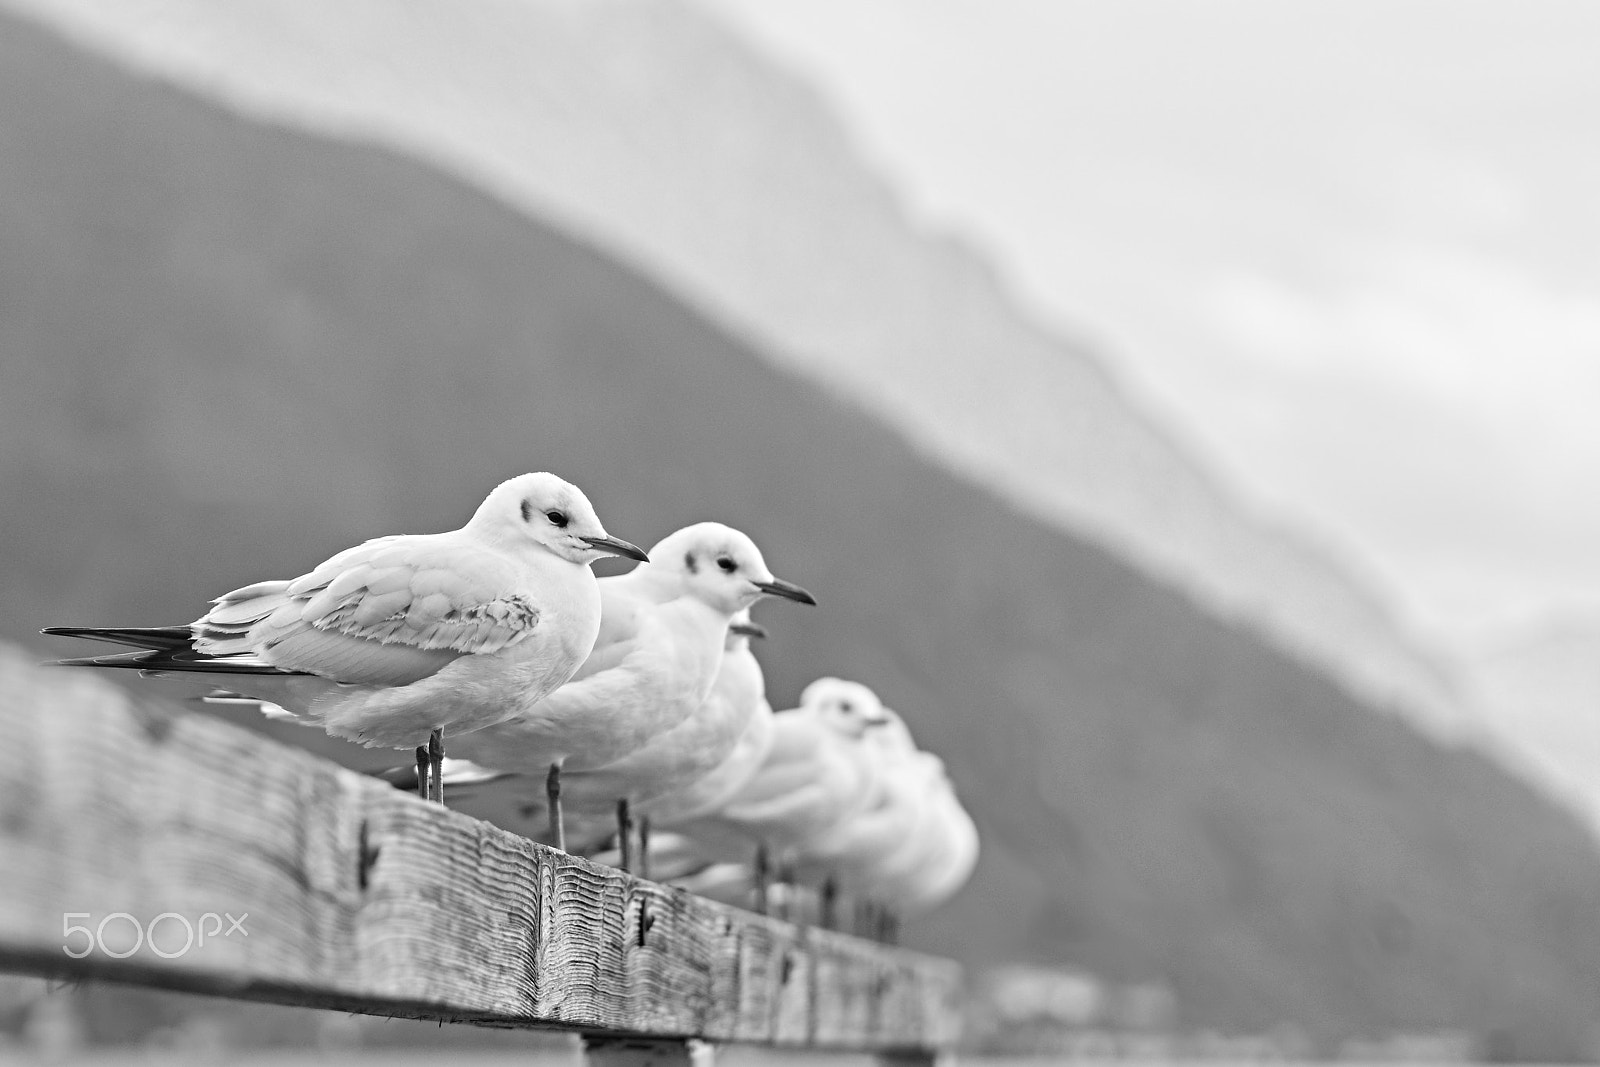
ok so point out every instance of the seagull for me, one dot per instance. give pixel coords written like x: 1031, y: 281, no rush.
x: 911, y: 846
x: 811, y: 782
x: 947, y: 856
x: 662, y: 633
x: 940, y: 855
x: 685, y: 771
x: 684, y: 753
x: 847, y: 797
x: 740, y: 689
x: 813, y: 777
x: 898, y: 779
x: 701, y: 741
x: 400, y: 638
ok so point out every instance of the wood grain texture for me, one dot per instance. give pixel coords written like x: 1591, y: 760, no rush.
x: 363, y: 898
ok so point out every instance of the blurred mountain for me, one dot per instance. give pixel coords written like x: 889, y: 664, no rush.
x: 660, y: 135
x: 1538, y: 690
x: 229, y: 349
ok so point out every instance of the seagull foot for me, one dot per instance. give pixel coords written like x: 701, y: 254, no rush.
x: 625, y: 834
x: 436, y: 766
x: 763, y: 884
x: 552, y: 793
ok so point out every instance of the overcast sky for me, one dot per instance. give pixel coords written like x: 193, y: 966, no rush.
x: 1350, y: 249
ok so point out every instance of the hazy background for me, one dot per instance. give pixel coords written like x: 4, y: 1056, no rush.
x: 1179, y: 410
x: 1345, y: 248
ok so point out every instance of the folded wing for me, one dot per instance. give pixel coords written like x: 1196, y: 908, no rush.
x: 386, y: 612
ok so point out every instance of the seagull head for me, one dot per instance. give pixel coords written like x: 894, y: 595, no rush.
x: 554, y: 514
x: 720, y: 566
x: 889, y: 735
x: 847, y: 707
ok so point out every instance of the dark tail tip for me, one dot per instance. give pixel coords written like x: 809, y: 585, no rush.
x: 169, y: 638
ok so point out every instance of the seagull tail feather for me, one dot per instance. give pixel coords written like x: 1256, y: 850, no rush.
x: 170, y: 638
x: 159, y: 660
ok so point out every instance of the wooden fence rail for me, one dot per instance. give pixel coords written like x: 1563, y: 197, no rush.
x: 186, y: 853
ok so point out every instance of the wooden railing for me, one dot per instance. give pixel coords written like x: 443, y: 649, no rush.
x: 149, y: 845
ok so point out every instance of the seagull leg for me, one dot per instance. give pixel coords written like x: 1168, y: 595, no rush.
x: 625, y: 834
x: 644, y: 847
x: 552, y: 794
x: 422, y: 771
x: 763, y: 890
x: 436, y: 766
x: 830, y: 895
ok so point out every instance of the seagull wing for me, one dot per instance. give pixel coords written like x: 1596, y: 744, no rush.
x: 387, y: 612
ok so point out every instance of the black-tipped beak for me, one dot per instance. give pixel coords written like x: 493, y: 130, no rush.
x: 787, y: 590
x: 748, y: 629
x: 616, y: 546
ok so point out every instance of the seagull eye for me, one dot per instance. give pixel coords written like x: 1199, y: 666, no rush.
x: 557, y: 519
x: 846, y: 707
x: 727, y: 564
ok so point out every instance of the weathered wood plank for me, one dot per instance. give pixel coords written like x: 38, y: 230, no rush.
x: 362, y: 898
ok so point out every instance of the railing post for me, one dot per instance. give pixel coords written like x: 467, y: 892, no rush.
x: 600, y: 1050
x: 909, y: 1058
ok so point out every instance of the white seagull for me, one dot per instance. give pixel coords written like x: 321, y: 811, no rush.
x: 660, y: 648
x: 740, y: 693
x: 401, y: 638
x: 911, y: 845
x: 814, y: 777
x: 681, y: 755
x: 687, y: 770
x: 897, y: 791
x: 811, y: 782
x: 940, y: 853
x: 845, y: 797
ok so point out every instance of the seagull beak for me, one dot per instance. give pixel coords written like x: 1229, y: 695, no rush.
x: 787, y: 590
x: 870, y: 723
x: 616, y: 546
x: 748, y: 629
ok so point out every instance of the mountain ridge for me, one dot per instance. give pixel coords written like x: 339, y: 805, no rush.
x: 1538, y: 690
